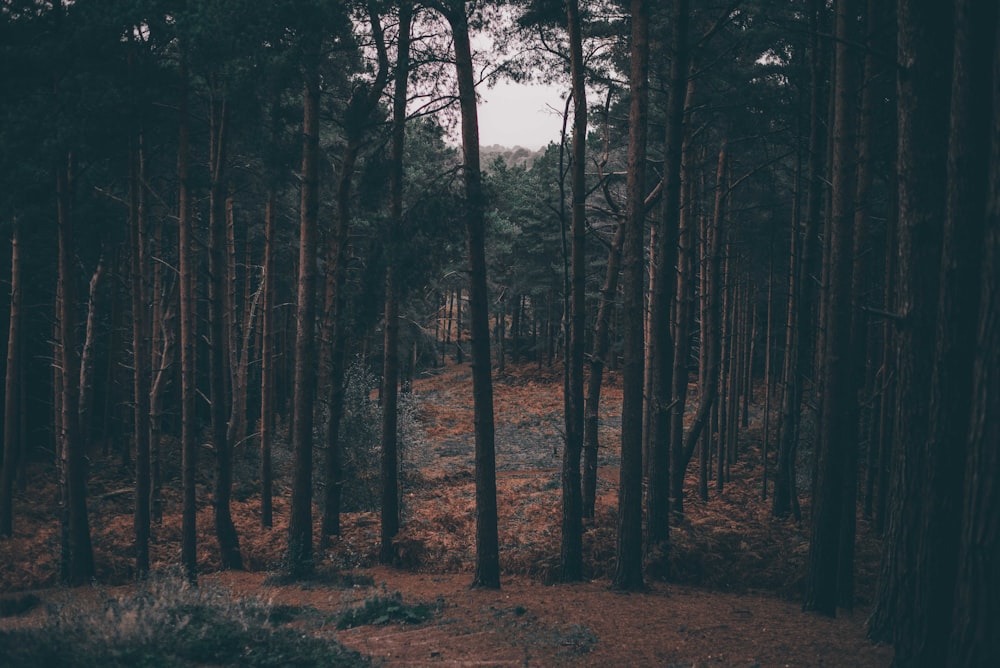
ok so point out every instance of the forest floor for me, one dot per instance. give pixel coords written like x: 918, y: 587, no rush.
x: 732, y: 598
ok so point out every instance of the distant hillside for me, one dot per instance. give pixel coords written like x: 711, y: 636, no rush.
x: 517, y: 155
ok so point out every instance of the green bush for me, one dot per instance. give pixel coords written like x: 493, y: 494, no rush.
x: 382, y: 609
x: 168, y: 623
x: 361, y: 437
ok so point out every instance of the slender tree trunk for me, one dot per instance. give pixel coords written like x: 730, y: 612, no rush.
x: 571, y: 552
x: 628, y: 568
x: 360, y: 107
x: 711, y: 315
x: 87, y: 353
x: 487, y: 541
x: 682, y: 352
x: 81, y: 555
x: 769, y: 329
x: 799, y: 316
x: 225, y: 530
x: 164, y: 344
x: 300, y: 532
x: 12, y: 395
x: 267, y: 370
x: 838, y: 425
x: 390, y: 362
x: 662, y: 344
x: 188, y: 308
x: 602, y: 341
x: 140, y: 358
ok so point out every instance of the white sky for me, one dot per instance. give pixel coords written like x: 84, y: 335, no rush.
x: 512, y: 114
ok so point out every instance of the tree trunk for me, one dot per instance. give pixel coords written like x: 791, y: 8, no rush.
x: 662, y: 344
x: 359, y: 109
x: 225, y: 530
x: 923, y: 88
x: 800, y: 299
x: 974, y: 641
x: 188, y: 308
x: 628, y: 567
x: 571, y: 547
x: 390, y: 363
x: 81, y: 555
x: 300, y: 544
x: 838, y: 425
x: 140, y: 357
x: 487, y: 541
x: 12, y: 396
x: 711, y: 315
x: 267, y: 370
x: 925, y: 631
x: 602, y: 340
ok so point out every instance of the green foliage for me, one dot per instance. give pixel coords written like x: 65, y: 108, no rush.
x: 382, y: 609
x: 167, y: 622
x: 361, y: 437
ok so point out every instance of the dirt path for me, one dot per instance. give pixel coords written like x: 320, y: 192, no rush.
x: 585, y: 624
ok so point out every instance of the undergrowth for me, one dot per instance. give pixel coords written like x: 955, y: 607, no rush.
x: 385, y: 609
x: 169, y: 623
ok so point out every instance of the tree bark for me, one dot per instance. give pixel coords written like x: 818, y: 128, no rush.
x: 974, y: 641
x: 300, y: 543
x: 799, y: 317
x: 571, y: 547
x: 838, y: 424
x: 140, y: 358
x: 360, y: 106
x: 487, y: 572
x: 924, y: 636
x: 81, y: 556
x: 602, y: 341
x: 225, y: 530
x: 267, y: 370
x: 188, y: 309
x: 390, y: 363
x: 923, y: 89
x: 628, y: 567
x: 12, y: 386
x: 662, y: 344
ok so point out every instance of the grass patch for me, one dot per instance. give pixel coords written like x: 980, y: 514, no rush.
x: 167, y: 623
x: 381, y: 609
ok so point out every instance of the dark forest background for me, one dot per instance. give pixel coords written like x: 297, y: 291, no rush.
x: 215, y: 210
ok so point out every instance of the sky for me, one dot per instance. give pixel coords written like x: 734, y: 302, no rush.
x: 512, y: 114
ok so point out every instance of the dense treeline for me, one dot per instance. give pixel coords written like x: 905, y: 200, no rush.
x: 214, y: 206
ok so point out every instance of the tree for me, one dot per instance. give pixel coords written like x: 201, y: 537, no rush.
x: 784, y: 499
x: 628, y: 567
x: 571, y: 550
x: 390, y: 365
x: 925, y: 627
x: 487, y: 540
x: 299, y: 557
x: 357, y: 116
x: 80, y: 567
x: 11, y: 450
x: 923, y: 90
x: 663, y: 277
x: 188, y: 309
x: 140, y: 349
x: 838, y: 449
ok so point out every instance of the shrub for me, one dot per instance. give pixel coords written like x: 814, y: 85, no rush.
x: 382, y: 609
x: 361, y: 437
x: 166, y: 622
